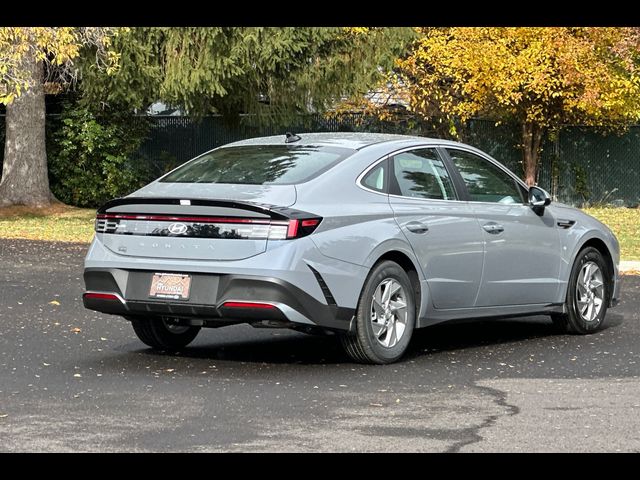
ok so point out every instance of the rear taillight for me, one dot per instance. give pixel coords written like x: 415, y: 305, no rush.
x: 293, y: 228
x: 211, y: 227
x: 105, y: 225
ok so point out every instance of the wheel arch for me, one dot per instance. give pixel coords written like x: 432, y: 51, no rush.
x: 409, y: 266
x: 604, y: 250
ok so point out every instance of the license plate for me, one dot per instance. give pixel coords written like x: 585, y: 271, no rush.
x: 170, y: 285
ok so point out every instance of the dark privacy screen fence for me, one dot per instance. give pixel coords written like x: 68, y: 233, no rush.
x: 579, y: 165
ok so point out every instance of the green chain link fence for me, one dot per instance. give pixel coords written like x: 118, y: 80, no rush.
x: 578, y: 166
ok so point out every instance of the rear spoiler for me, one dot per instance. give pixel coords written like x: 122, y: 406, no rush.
x: 275, y: 212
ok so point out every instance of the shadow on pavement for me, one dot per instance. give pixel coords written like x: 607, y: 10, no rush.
x: 307, y: 349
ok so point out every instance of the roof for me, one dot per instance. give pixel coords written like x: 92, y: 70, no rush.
x: 354, y: 140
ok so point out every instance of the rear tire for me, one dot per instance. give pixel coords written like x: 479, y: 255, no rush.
x: 161, y: 334
x: 385, y: 316
x: 587, y: 295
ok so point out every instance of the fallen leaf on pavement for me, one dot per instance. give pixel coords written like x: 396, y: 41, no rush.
x: 54, y: 302
x: 76, y: 330
x: 630, y: 271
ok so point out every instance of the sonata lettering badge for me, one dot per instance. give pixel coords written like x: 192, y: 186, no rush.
x: 170, y: 285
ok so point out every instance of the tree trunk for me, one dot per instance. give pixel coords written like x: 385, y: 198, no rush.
x: 531, y: 140
x: 24, y: 172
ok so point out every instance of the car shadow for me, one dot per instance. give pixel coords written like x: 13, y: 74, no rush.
x: 292, y: 348
x: 452, y: 336
x: 288, y: 348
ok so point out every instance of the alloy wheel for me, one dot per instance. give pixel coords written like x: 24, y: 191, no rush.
x: 389, y: 312
x: 589, y: 292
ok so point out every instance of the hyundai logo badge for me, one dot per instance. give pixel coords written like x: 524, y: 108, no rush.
x: 177, y: 229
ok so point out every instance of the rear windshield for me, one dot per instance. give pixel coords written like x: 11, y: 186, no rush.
x: 259, y: 165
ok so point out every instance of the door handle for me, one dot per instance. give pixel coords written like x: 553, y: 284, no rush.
x: 493, y: 228
x: 417, y: 227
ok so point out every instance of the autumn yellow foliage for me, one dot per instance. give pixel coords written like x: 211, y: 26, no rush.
x: 56, y: 46
x: 540, y: 77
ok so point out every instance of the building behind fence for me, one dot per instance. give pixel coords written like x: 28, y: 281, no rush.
x: 578, y: 166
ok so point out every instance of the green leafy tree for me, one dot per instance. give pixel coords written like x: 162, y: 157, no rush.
x: 93, y: 157
x: 276, y: 72
x: 541, y: 78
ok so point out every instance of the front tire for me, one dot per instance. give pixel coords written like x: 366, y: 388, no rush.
x: 162, y: 333
x: 587, y: 294
x: 385, y: 317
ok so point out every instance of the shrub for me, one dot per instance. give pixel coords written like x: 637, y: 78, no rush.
x: 93, y: 158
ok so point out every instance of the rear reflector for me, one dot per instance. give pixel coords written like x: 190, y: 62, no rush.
x: 247, y: 305
x: 102, y: 296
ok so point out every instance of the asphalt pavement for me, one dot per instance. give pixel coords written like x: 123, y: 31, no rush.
x: 72, y: 380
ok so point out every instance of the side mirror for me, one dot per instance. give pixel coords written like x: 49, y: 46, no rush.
x: 538, y: 199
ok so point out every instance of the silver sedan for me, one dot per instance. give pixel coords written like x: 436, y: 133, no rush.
x: 365, y: 236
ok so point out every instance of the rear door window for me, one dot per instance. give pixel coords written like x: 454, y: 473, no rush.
x: 421, y: 174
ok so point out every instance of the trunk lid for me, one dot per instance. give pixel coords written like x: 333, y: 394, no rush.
x: 281, y: 195
x: 178, y: 226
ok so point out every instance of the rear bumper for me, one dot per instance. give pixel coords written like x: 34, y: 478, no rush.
x: 208, y: 296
